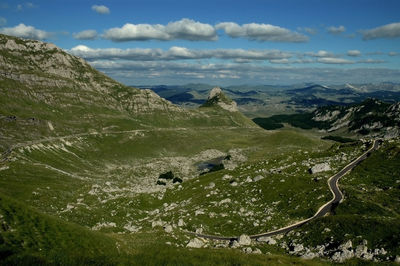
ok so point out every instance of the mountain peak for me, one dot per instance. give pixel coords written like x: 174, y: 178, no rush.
x: 218, y: 98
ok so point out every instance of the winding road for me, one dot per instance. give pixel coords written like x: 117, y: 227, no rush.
x: 323, y: 210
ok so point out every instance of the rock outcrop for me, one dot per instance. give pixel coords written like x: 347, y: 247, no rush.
x: 218, y: 98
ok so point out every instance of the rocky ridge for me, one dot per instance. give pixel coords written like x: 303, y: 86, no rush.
x: 371, y: 117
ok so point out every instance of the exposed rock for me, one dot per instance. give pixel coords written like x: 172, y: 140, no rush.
x: 181, y: 223
x: 267, y: 239
x: 218, y: 98
x: 157, y: 223
x: 168, y: 228
x: 322, y: 167
x: 257, y: 251
x: 258, y: 178
x: 195, y: 243
x: 244, y: 240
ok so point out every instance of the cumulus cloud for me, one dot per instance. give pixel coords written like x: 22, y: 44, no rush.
x: 100, y: 9
x: 176, y: 53
x: 353, y: 53
x: 336, y: 30
x: 27, y: 32
x: 146, y: 72
x: 86, y: 35
x: 388, y: 31
x: 3, y: 21
x: 393, y: 53
x: 184, y: 29
x: 334, y: 60
x: 320, y: 53
x: 261, y: 32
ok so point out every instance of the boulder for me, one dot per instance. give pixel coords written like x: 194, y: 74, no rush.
x: 267, y: 239
x: 244, y: 240
x: 168, y: 228
x: 195, y: 243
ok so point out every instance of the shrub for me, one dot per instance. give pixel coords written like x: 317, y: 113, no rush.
x: 168, y: 175
x: 177, y: 180
x: 161, y: 183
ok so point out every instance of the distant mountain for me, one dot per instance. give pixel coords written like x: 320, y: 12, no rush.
x: 371, y: 117
x: 267, y: 100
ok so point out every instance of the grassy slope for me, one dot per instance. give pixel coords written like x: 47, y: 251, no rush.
x: 370, y: 209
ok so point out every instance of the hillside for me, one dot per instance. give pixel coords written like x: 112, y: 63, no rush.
x: 371, y: 117
x: 96, y: 172
x: 43, y: 88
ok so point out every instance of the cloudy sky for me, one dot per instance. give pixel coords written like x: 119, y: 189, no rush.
x: 148, y: 42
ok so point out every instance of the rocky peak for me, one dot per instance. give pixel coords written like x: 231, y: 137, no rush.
x: 218, y: 98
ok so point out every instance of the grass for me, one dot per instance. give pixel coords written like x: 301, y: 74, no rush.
x: 370, y: 210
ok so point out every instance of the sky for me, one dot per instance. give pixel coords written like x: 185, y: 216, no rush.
x: 220, y: 42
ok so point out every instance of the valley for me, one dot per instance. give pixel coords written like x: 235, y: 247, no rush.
x: 84, y: 173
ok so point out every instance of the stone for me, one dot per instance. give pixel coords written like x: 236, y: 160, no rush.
x: 298, y: 248
x: 257, y: 251
x: 168, y: 228
x: 258, y: 178
x: 181, y: 223
x: 195, y: 243
x: 267, y: 239
x: 157, y: 223
x: 397, y: 259
x: 244, y: 240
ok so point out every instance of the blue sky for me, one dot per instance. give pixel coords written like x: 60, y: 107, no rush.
x: 220, y: 42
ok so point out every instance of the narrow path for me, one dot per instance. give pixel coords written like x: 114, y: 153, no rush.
x: 323, y: 210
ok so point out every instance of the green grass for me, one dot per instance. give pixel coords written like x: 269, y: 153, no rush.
x: 370, y: 210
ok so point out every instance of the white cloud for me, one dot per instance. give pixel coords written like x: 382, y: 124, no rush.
x: 184, y: 29
x: 393, y: 53
x: 311, y: 31
x: 261, y: 32
x: 3, y: 21
x: 389, y: 31
x: 187, y: 29
x: 320, y: 53
x: 161, y: 72
x: 101, y: 9
x: 86, y: 35
x: 26, y: 5
x: 336, y: 30
x: 334, y: 60
x: 176, y: 53
x: 27, y: 32
x: 372, y: 61
x: 353, y: 53
x: 280, y: 61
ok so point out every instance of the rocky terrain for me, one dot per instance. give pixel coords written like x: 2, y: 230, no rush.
x: 372, y: 118
x: 92, y: 171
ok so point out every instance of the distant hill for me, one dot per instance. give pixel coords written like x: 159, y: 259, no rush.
x: 371, y: 117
